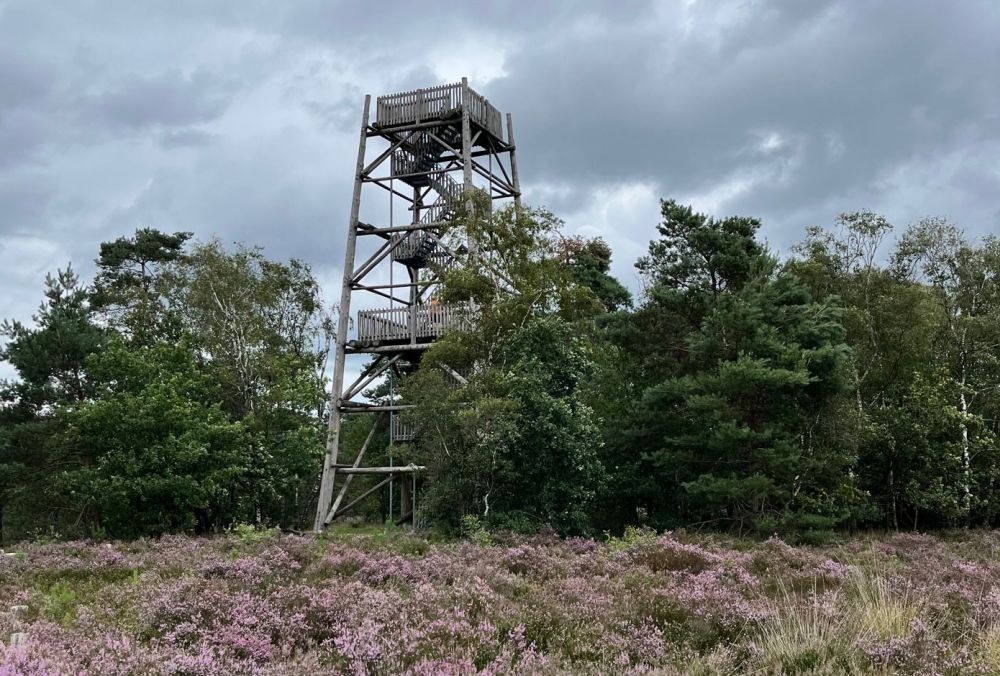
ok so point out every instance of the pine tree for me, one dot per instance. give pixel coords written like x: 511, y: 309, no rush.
x: 735, y: 426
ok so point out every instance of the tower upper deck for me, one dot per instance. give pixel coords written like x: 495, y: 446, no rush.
x: 438, y: 103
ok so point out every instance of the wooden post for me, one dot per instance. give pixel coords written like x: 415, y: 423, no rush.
x: 333, y: 436
x: 467, y: 156
x: 404, y: 496
x: 513, y: 161
x: 414, y: 275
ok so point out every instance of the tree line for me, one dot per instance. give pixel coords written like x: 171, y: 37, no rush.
x: 180, y: 391
x: 853, y: 383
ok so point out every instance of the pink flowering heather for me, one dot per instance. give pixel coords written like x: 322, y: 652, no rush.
x: 404, y: 605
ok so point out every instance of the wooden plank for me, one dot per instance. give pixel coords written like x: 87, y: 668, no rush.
x: 365, y: 379
x: 454, y: 374
x: 360, y: 407
x: 404, y: 228
x: 372, y: 261
x: 421, y: 321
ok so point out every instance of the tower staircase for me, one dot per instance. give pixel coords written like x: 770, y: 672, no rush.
x: 422, y: 151
x: 416, y: 249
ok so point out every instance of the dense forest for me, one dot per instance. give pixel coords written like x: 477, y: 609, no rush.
x: 853, y: 383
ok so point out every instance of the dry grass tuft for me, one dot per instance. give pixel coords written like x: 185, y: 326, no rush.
x: 882, y: 610
x: 988, y: 648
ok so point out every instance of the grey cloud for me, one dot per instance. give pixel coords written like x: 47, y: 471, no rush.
x: 185, y: 138
x: 397, y: 23
x: 168, y: 99
x: 24, y: 81
x: 25, y: 198
x: 340, y: 115
x: 239, y: 118
x: 22, y: 134
x: 678, y: 108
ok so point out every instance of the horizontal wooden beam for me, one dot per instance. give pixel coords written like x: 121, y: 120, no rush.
x: 355, y: 407
x: 391, y: 134
x: 381, y: 349
x: 401, y: 469
x: 372, y: 230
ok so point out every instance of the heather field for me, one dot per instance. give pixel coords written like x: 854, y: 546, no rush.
x: 388, y: 603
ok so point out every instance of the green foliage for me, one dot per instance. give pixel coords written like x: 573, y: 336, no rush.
x: 856, y: 383
x: 166, y: 458
x: 515, y: 444
x: 516, y: 438
x: 589, y: 261
x: 701, y: 254
x: 126, y: 291
x: 923, y: 326
x: 743, y: 370
x: 263, y: 336
x: 249, y: 534
x: 183, y: 392
x: 629, y: 538
x: 474, y: 530
x: 50, y: 359
x: 60, y: 602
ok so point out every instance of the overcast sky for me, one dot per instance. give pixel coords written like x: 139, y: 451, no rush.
x: 239, y: 119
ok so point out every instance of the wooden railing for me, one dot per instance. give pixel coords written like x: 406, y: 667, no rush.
x: 400, y: 430
x: 409, y: 244
x: 412, y: 322
x: 446, y: 186
x: 404, y: 162
x: 449, y: 191
x: 436, y: 103
x: 407, y: 251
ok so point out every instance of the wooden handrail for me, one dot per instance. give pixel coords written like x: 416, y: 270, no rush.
x: 415, y: 321
x: 442, y: 101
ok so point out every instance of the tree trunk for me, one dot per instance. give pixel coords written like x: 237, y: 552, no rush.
x: 892, y: 492
x: 966, y: 461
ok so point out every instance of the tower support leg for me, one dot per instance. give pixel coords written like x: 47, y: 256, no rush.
x: 513, y: 161
x: 333, y: 435
x: 467, y: 159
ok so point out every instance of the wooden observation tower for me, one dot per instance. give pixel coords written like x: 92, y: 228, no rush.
x: 424, y: 152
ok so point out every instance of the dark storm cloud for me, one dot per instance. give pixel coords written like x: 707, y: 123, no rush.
x: 846, y: 93
x: 239, y: 118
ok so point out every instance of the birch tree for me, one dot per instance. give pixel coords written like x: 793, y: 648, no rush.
x: 965, y: 279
